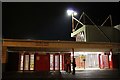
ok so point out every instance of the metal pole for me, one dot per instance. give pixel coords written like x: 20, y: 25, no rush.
x: 105, y: 21
x: 78, y: 20
x: 73, y: 24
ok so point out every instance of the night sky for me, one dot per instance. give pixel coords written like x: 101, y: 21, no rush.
x: 49, y: 21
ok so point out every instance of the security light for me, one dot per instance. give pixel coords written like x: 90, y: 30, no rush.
x: 71, y: 12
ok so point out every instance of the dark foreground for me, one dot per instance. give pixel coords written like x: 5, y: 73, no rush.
x: 80, y: 75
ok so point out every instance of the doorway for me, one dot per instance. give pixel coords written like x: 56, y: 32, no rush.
x: 55, y: 62
x: 58, y: 61
x: 26, y: 61
x: 42, y: 62
x: 12, y: 62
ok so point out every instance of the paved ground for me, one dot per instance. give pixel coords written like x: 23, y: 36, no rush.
x: 80, y: 75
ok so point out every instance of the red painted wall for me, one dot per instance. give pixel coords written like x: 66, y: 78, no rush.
x: 42, y: 62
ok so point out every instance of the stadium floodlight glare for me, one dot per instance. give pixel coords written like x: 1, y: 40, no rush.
x: 75, y: 13
x: 71, y: 12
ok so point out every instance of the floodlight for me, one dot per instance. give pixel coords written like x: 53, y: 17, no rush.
x: 71, y: 12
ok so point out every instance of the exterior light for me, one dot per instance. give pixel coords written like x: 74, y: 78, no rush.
x: 75, y: 13
x: 71, y: 12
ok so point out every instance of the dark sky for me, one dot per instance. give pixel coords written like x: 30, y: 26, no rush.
x: 49, y: 21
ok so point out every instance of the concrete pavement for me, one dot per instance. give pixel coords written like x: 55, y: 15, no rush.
x: 79, y: 75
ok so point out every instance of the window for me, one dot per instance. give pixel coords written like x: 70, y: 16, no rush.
x: 26, y: 61
x: 21, y: 61
x: 51, y: 61
x: 26, y: 66
x: 32, y: 62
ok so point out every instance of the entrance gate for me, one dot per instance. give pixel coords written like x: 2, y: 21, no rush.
x: 58, y: 61
x: 55, y: 62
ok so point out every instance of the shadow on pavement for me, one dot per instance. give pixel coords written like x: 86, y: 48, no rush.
x: 80, y: 75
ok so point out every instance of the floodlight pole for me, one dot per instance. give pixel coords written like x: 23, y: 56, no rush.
x: 73, y: 60
x: 73, y: 23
